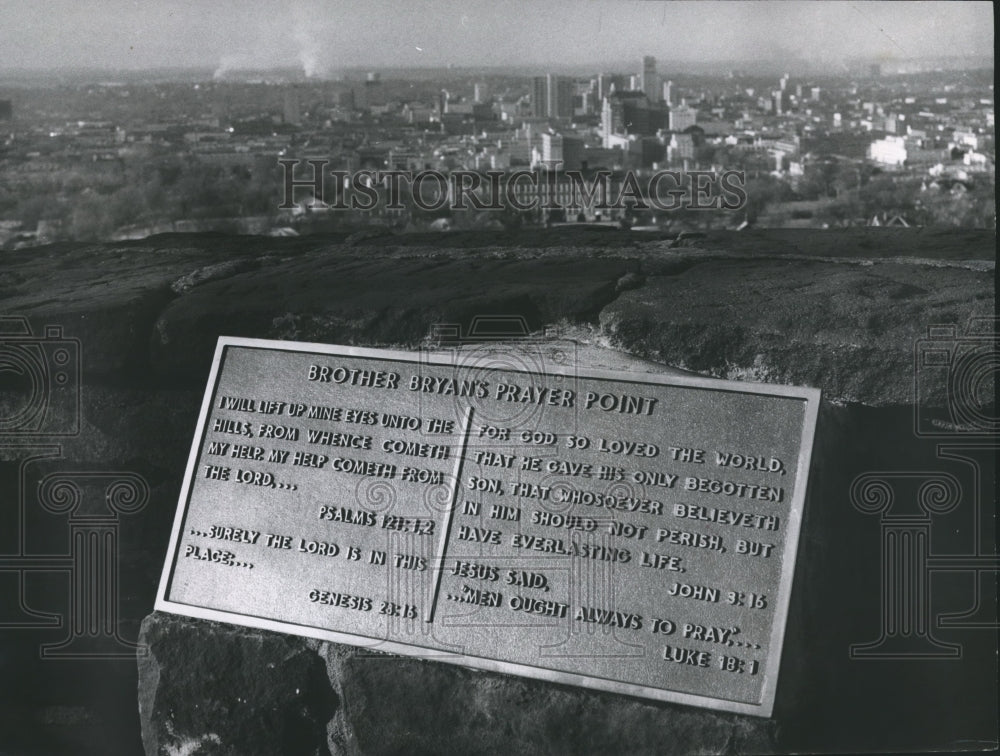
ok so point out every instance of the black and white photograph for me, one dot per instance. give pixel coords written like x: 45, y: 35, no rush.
x: 483, y: 377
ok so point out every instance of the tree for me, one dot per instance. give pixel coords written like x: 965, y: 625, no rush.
x: 763, y: 192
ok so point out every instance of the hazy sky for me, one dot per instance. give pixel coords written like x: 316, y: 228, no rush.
x: 323, y: 35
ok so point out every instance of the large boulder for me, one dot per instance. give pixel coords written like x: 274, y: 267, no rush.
x: 845, y: 311
x: 222, y: 689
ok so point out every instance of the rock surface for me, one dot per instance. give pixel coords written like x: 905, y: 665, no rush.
x: 846, y: 328
x: 260, y: 693
x: 840, y: 310
x: 845, y: 311
x: 270, y: 693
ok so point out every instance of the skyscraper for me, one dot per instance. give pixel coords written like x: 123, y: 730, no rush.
x: 560, y: 97
x: 373, y: 94
x: 561, y: 151
x: 630, y: 113
x: 778, y: 100
x: 608, y: 82
x: 650, y: 81
x: 552, y: 96
x: 668, y: 87
x: 540, y: 96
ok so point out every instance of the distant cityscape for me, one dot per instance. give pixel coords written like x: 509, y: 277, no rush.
x: 89, y: 160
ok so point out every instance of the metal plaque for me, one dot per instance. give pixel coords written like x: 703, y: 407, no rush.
x: 502, y: 509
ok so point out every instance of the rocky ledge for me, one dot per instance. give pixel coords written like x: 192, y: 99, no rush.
x: 839, y: 310
x: 845, y: 311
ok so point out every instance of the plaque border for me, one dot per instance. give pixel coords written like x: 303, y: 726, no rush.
x: 811, y: 397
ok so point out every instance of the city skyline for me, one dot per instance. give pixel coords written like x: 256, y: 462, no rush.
x: 322, y: 38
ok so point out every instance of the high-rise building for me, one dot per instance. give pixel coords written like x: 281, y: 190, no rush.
x: 373, y: 94
x: 606, y: 83
x: 6, y: 110
x: 777, y: 98
x: 668, y: 92
x: 681, y: 117
x: 481, y: 92
x: 627, y: 114
x: 573, y: 152
x: 552, y: 96
x: 607, y: 122
x: 650, y: 82
x: 540, y: 96
x: 562, y: 152
x: 560, y: 97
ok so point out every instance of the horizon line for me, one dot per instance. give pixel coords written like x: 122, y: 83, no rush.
x: 980, y: 60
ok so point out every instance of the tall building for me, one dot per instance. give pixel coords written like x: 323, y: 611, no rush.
x: 650, y: 83
x: 682, y: 117
x: 6, y: 110
x: 564, y: 152
x: 606, y: 83
x: 668, y: 92
x: 628, y: 114
x: 607, y: 122
x: 540, y: 96
x: 481, y: 92
x: 778, y: 101
x: 552, y: 96
x: 561, y: 102
x: 372, y: 88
